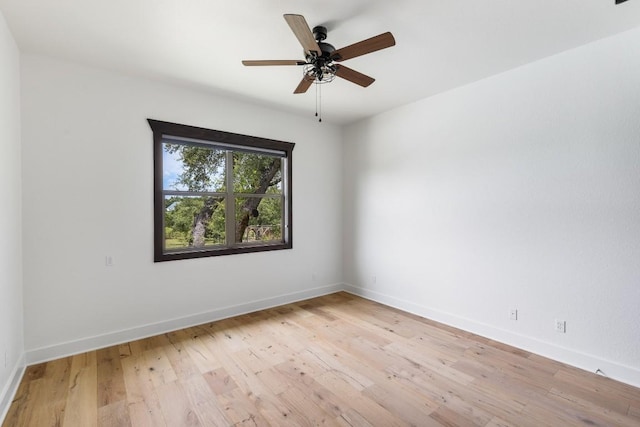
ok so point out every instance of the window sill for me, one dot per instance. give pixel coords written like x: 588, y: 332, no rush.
x: 210, y: 252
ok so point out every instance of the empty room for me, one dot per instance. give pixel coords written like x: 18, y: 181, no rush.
x: 362, y: 213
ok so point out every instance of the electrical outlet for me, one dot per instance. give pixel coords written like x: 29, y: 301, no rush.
x: 108, y: 261
x: 373, y: 279
x: 561, y: 326
x: 513, y: 314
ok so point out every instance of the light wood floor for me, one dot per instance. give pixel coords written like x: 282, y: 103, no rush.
x: 335, y: 360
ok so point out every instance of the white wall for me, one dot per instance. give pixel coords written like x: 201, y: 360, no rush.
x: 518, y: 191
x: 11, y: 309
x: 88, y: 193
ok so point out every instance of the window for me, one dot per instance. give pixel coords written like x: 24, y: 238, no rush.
x: 218, y: 193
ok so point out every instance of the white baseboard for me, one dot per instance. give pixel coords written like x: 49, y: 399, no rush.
x: 616, y: 371
x: 9, y: 391
x: 101, y: 341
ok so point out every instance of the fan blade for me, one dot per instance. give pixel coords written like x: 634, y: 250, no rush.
x: 353, y: 76
x: 302, y: 31
x: 272, y: 62
x: 304, y: 85
x: 381, y: 41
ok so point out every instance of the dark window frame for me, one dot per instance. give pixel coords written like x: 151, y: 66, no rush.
x: 163, y: 129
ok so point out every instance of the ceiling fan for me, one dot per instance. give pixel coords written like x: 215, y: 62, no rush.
x: 321, y: 59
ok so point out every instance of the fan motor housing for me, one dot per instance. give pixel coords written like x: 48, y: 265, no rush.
x: 326, y: 48
x: 319, y: 33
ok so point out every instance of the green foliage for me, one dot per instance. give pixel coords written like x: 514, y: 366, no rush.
x: 250, y: 169
x: 265, y: 226
x: 178, y: 217
x: 203, y: 170
x: 216, y: 226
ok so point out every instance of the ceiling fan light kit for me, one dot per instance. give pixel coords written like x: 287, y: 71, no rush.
x: 321, y: 59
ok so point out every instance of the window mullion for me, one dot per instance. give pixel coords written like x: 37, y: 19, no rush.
x: 230, y: 205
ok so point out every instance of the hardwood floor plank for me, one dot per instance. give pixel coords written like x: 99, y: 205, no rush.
x: 634, y: 411
x: 31, y: 406
x: 547, y: 412
x: 159, y: 367
x: 203, y: 400
x: 327, y: 400
x: 334, y: 360
x: 199, y: 353
x: 239, y: 410
x: 327, y: 358
x: 56, y: 382
x: 406, y: 407
x: 351, y: 418
x: 446, y: 416
x: 124, y: 350
x: 298, y: 400
x: 175, y: 348
x: 596, y: 388
x: 175, y: 405
x: 143, y: 402
x: 497, y: 422
x: 81, y: 407
x: 430, y: 361
x: 365, y: 407
x: 220, y: 381
x: 595, y: 411
x: 114, y: 415
x: 111, y: 388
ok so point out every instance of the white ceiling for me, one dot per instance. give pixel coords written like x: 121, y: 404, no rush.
x: 441, y: 44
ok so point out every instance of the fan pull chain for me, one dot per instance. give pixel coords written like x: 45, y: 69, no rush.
x: 319, y: 102
x: 316, y: 100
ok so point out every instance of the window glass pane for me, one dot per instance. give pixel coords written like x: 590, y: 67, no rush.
x: 192, y: 168
x: 258, y: 219
x: 257, y: 173
x: 193, y: 222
